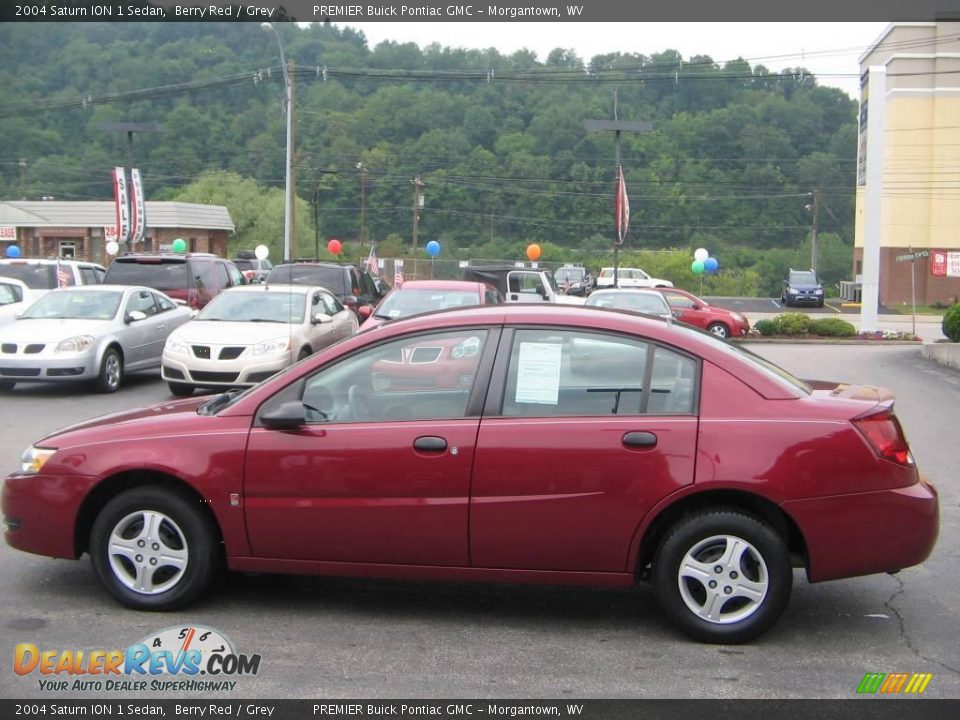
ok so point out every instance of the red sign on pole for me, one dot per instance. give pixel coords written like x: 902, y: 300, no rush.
x: 622, y: 206
x: 938, y: 263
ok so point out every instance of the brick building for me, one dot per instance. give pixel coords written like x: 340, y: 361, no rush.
x: 50, y: 228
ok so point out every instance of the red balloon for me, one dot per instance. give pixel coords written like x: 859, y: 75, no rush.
x: 334, y: 246
x: 533, y: 251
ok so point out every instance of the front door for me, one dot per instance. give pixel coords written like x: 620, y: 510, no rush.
x: 380, y: 473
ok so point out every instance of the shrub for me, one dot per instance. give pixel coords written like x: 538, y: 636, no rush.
x: 951, y: 323
x: 794, y: 323
x: 832, y: 327
x: 767, y: 327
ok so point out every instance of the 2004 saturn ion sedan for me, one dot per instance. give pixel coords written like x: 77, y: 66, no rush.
x: 588, y: 447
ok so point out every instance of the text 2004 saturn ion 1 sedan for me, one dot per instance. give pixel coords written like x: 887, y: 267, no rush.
x: 588, y: 446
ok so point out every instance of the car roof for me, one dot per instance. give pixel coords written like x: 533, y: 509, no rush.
x: 99, y: 287
x: 48, y: 261
x: 275, y: 288
x: 627, y: 291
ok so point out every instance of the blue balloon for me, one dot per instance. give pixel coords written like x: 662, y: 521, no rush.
x: 433, y: 248
x: 13, y: 251
x: 710, y: 265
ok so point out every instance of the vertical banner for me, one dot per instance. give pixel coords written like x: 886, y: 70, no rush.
x: 622, y: 206
x: 138, y: 225
x: 122, y: 200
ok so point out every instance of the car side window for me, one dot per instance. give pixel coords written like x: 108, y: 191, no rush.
x: 330, y: 305
x: 142, y: 300
x: 679, y: 301
x: 572, y: 373
x: 164, y: 304
x: 427, y: 377
x: 89, y: 276
x: 235, y: 276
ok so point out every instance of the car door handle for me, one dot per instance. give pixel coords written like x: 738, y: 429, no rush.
x: 640, y: 439
x: 430, y: 443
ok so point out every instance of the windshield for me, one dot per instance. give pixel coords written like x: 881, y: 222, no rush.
x: 331, y: 278
x: 803, y: 278
x: 76, y: 304
x: 564, y: 275
x: 265, y: 306
x: 404, y: 302
x: 157, y: 275
x: 637, y: 302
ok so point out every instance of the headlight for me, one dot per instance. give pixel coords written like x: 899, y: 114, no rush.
x: 739, y: 318
x: 819, y: 291
x: 791, y: 289
x: 34, y: 458
x: 271, y: 347
x: 75, y: 344
x: 176, y: 345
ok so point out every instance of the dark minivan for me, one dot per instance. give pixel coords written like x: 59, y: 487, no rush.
x: 354, y: 287
x: 195, y: 278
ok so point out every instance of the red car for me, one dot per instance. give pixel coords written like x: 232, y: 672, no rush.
x: 419, y: 296
x: 695, y: 311
x: 589, y: 447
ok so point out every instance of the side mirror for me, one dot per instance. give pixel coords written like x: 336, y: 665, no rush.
x: 289, y: 416
x: 135, y: 316
x: 677, y: 313
x: 321, y: 319
x: 365, y: 311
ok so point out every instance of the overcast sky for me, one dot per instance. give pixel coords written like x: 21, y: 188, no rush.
x: 823, y: 48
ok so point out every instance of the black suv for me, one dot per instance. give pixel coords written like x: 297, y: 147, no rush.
x: 355, y: 288
x: 574, y: 280
x: 195, y: 278
x: 802, y: 287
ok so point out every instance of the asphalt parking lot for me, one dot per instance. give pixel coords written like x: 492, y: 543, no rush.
x: 341, y: 638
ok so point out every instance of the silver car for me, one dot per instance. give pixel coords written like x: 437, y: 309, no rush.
x: 650, y: 302
x: 92, y: 332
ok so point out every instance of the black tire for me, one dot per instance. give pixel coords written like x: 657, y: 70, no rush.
x: 111, y: 372
x: 6, y: 385
x: 758, y: 581
x: 305, y: 352
x: 719, y: 329
x: 820, y: 304
x: 182, y: 531
x: 181, y: 390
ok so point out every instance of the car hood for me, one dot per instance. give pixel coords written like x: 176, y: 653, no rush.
x: 66, y: 436
x: 232, y: 333
x: 569, y: 300
x: 49, y: 331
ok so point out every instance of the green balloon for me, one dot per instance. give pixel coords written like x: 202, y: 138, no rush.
x: 179, y: 245
x: 697, y: 267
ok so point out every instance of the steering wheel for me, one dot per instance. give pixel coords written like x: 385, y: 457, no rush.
x: 359, y: 403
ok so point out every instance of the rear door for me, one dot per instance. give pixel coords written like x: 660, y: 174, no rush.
x: 583, y: 432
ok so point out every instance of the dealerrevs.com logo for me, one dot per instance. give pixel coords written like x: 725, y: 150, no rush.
x: 192, y: 658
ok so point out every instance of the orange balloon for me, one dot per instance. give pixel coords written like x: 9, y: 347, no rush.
x: 533, y: 251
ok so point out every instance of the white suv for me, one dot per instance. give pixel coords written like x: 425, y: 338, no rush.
x: 629, y: 278
x: 41, y: 275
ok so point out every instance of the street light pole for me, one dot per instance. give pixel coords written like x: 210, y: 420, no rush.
x: 288, y: 102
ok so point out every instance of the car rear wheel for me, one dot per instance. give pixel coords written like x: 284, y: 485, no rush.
x: 723, y: 576
x: 180, y: 389
x: 111, y: 372
x: 718, y: 329
x: 154, y: 549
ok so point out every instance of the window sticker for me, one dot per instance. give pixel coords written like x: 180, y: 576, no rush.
x: 538, y: 373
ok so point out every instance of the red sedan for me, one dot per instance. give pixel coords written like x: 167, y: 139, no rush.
x: 588, y: 447
x: 695, y: 311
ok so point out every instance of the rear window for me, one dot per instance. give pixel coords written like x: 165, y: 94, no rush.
x: 165, y: 275
x: 331, y: 278
x: 244, y: 264
x: 35, y: 277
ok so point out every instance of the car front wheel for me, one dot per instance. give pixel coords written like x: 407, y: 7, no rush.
x: 111, y: 372
x: 718, y: 329
x: 154, y: 549
x: 723, y: 576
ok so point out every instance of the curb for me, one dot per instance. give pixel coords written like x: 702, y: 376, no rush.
x: 826, y: 341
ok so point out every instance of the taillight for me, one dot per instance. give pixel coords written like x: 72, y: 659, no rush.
x: 882, y: 430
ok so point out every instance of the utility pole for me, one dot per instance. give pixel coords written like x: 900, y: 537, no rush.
x: 417, y: 204
x: 316, y: 221
x: 292, y: 168
x: 23, y: 178
x: 814, y: 248
x: 363, y: 205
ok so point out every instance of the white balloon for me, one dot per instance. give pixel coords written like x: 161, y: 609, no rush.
x: 700, y: 254
x: 261, y: 251
x: 112, y: 248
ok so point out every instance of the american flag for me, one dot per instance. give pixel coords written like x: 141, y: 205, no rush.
x: 398, y: 273
x: 63, y: 275
x: 372, y: 265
